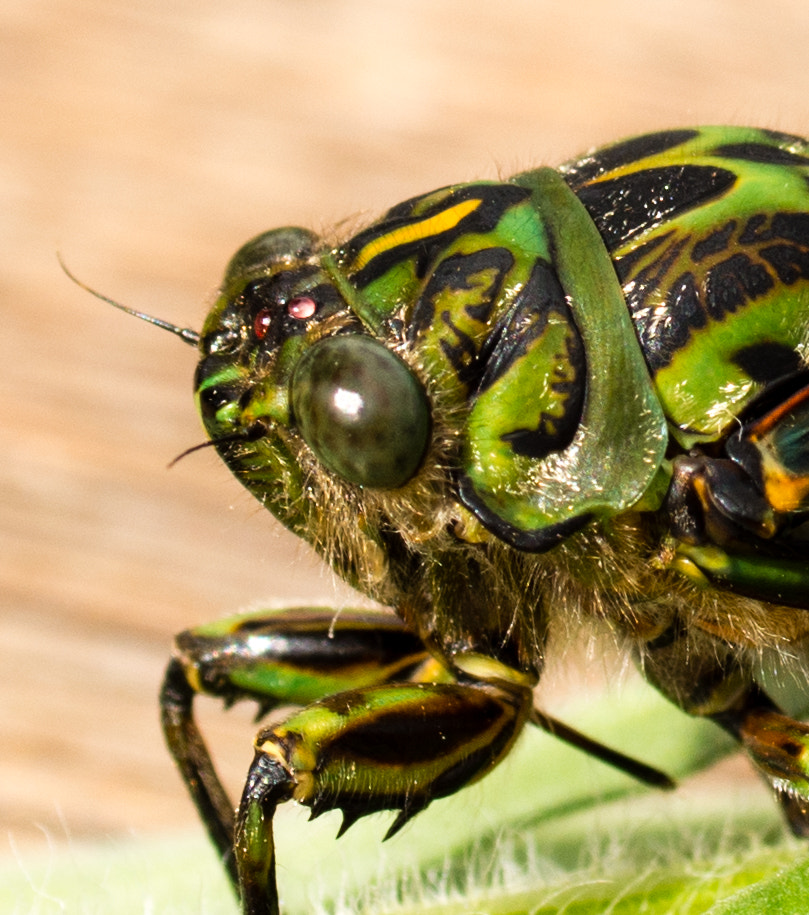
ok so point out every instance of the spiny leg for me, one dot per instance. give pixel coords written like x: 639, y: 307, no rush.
x: 390, y: 747
x: 362, y: 743
x: 291, y: 657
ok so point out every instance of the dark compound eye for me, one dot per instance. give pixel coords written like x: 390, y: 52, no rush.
x: 301, y: 307
x: 261, y: 323
x: 361, y: 410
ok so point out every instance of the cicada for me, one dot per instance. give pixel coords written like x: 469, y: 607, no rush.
x: 576, y: 394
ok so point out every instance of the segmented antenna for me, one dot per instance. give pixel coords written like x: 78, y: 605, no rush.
x: 184, y: 333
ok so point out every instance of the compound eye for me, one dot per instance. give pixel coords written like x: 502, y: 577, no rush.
x: 261, y: 323
x: 301, y: 307
x: 361, y: 410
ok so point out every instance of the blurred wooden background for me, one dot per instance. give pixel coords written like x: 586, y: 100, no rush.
x: 146, y: 141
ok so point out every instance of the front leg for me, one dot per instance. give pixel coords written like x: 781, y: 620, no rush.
x: 383, y: 725
x: 292, y: 657
x: 389, y: 747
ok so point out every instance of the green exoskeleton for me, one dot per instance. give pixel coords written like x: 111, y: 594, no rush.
x: 580, y: 392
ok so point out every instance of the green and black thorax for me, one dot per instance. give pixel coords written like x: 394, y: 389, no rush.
x: 496, y: 376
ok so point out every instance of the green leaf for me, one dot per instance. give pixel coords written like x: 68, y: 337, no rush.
x: 551, y: 831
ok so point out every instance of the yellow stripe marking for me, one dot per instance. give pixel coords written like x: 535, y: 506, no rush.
x: 432, y: 225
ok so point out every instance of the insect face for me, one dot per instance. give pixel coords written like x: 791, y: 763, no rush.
x: 282, y: 349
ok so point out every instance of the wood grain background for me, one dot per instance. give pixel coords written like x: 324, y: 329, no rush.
x: 146, y: 141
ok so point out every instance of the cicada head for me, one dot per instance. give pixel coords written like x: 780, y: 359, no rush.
x: 289, y: 373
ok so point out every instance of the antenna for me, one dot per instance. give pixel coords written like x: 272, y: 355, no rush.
x: 184, y: 333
